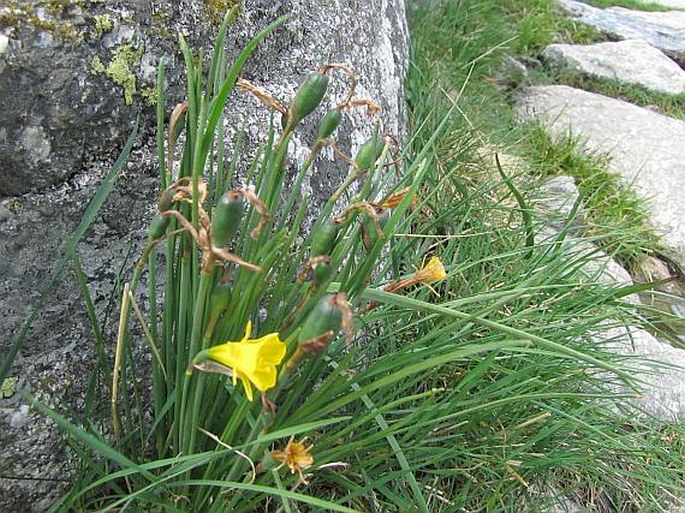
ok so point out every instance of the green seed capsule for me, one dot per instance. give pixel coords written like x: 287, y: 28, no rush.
x: 322, y: 273
x: 369, y: 152
x: 308, y: 97
x: 166, y: 200
x: 324, y: 239
x: 219, y: 298
x: 326, y: 316
x: 157, y: 228
x: 227, y: 216
x: 369, y: 230
x: 329, y: 123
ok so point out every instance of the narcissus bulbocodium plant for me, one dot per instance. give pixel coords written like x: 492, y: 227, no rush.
x: 253, y: 306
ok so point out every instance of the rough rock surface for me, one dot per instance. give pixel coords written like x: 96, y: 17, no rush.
x: 661, y: 367
x: 647, y: 149
x: 557, y: 198
x: 664, y: 30
x: 632, y: 62
x: 78, y: 72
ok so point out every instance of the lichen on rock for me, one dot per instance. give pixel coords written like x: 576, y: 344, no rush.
x: 120, y: 69
x: 103, y: 24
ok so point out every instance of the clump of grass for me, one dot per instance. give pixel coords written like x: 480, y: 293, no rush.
x: 539, y: 23
x: 672, y: 105
x: 613, y: 212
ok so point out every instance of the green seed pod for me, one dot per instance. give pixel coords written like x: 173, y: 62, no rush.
x: 322, y: 273
x: 369, y: 230
x: 369, y: 152
x: 228, y: 213
x: 219, y: 298
x: 157, y: 228
x: 166, y: 200
x: 329, y: 123
x: 324, y: 239
x: 326, y: 316
x: 308, y: 97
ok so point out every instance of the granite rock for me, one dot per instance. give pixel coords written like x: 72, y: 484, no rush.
x: 631, y: 62
x: 647, y: 149
x: 664, y: 30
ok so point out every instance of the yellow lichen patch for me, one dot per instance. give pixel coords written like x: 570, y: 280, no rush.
x: 120, y: 69
x: 149, y: 95
x: 96, y: 65
x: 103, y: 24
x: 53, y: 17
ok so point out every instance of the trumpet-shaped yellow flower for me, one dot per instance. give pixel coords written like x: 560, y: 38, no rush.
x: 253, y: 361
x: 433, y: 272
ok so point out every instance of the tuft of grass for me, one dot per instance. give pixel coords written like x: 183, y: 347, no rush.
x: 539, y: 23
x: 672, y: 105
x: 615, y: 215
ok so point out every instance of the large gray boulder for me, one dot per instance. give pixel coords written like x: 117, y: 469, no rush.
x: 664, y: 30
x: 647, y: 149
x: 73, y: 77
x: 631, y: 62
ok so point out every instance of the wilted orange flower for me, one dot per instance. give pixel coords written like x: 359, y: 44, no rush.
x: 433, y: 272
x: 296, y: 456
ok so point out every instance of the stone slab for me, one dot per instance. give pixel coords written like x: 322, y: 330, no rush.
x: 647, y: 148
x: 664, y: 30
x: 659, y: 367
x: 632, y: 62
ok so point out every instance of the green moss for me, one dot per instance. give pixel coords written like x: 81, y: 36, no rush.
x: 124, y: 60
x: 103, y: 24
x: 13, y: 205
x: 96, y: 65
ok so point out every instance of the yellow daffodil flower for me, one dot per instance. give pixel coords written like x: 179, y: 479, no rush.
x: 254, y: 361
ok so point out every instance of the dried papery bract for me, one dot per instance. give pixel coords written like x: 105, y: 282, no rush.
x: 176, y: 124
x: 351, y: 75
x: 262, y: 95
x: 203, y: 234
